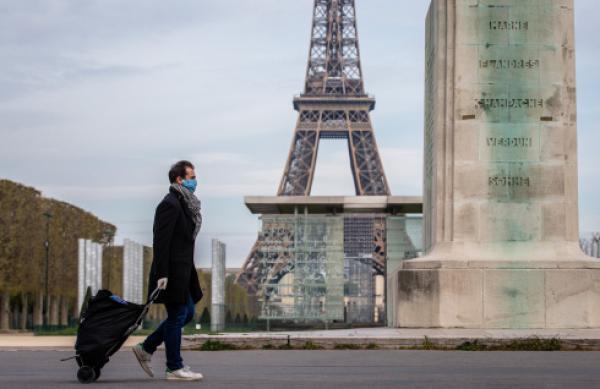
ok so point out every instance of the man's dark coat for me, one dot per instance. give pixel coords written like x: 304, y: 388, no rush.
x: 174, y: 251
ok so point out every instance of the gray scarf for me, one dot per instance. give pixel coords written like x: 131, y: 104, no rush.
x: 193, y: 205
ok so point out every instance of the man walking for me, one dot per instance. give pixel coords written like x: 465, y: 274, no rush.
x: 177, y: 222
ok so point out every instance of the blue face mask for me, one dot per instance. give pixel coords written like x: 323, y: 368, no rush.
x: 190, y: 185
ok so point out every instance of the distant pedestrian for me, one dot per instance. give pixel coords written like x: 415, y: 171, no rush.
x: 177, y: 222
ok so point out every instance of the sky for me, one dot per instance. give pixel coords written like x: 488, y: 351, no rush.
x: 99, y: 97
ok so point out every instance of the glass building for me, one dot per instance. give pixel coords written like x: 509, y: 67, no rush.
x: 332, y: 267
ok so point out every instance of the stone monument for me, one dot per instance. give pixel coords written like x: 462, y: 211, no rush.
x: 500, y: 194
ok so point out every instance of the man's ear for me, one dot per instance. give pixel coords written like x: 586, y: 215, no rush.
x: 179, y: 180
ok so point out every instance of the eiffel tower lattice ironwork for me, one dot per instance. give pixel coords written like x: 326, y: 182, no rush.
x: 334, y: 105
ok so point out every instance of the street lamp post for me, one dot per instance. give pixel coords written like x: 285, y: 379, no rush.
x: 48, y: 216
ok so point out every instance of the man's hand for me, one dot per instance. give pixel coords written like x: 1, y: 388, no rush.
x: 162, y: 283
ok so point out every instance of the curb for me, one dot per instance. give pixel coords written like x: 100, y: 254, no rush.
x: 365, y: 343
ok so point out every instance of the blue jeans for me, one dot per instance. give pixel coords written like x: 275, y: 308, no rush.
x: 169, y: 331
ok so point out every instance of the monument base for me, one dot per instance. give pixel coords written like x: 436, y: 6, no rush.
x: 499, y: 294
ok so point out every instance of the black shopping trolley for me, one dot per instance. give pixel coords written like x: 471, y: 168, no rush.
x: 105, y: 324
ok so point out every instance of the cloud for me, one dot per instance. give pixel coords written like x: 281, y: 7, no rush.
x: 99, y: 97
x: 220, y: 158
x: 117, y: 192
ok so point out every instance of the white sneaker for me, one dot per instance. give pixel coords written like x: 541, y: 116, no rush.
x: 183, y: 374
x: 144, y: 358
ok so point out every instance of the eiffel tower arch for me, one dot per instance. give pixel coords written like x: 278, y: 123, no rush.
x: 333, y: 105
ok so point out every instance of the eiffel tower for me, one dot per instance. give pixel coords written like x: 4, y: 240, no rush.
x: 334, y: 105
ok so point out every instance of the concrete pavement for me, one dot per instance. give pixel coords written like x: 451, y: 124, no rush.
x: 321, y: 369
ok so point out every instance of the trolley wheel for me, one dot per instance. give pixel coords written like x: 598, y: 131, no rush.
x: 97, y: 372
x: 86, y: 374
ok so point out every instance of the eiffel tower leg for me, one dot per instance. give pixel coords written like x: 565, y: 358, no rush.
x: 366, y: 164
x: 300, y: 167
x: 271, y: 266
x: 247, y: 278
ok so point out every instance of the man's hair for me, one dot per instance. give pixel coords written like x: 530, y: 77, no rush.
x: 178, y: 170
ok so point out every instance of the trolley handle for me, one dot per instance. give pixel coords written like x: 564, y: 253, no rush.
x: 138, y: 321
x: 153, y: 296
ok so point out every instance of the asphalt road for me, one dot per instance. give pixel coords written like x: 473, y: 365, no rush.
x: 320, y: 370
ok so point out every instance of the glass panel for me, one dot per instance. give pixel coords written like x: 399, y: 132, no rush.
x: 305, y: 255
